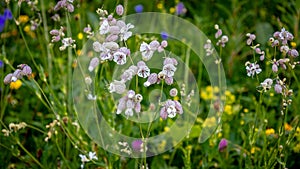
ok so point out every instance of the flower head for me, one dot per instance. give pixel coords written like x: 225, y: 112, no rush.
x: 139, y: 8
x: 223, y: 144
x: 252, y: 69
x: 180, y: 9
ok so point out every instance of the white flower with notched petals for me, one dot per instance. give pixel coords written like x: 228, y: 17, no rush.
x: 120, y: 58
x: 143, y: 71
x: 146, y: 51
x: 169, y: 70
x: 104, y: 28
x: 125, y: 33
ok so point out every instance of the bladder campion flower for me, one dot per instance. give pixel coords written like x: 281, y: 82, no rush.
x: 170, y: 109
x: 252, y: 69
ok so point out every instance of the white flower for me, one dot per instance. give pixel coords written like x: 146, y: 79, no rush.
x: 146, y: 51
x: 120, y: 58
x: 91, y: 97
x: 104, y: 28
x: 92, y: 156
x: 125, y: 33
x: 83, y: 158
x: 266, y: 84
x: 169, y: 70
x: 171, y: 110
x: 143, y: 71
x: 117, y: 86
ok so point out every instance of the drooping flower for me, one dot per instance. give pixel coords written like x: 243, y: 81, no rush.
x: 251, y: 38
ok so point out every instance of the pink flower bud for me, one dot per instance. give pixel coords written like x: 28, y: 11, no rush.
x: 119, y: 10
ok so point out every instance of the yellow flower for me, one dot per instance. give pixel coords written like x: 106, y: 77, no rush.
x: 27, y: 28
x: 254, y: 149
x: 287, y: 127
x: 172, y: 10
x: 80, y: 36
x: 16, y: 85
x: 23, y: 18
x: 297, y: 148
x: 270, y: 131
x: 160, y: 6
x: 246, y: 110
x: 293, y: 44
x: 242, y: 122
x: 167, y: 129
x: 210, y: 122
x: 271, y: 94
x: 228, y: 109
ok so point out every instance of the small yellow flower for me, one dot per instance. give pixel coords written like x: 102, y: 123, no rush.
x: 246, y: 110
x: 228, y: 109
x: 220, y: 135
x: 78, y: 52
x: 297, y: 148
x: 254, y: 149
x: 270, y: 131
x: 167, y: 129
x: 27, y: 28
x: 176, y: 98
x: 172, y: 10
x: 287, y: 127
x: 293, y: 44
x: 23, y: 18
x: 160, y: 6
x: 242, y: 122
x: 271, y: 94
x: 210, y: 122
x: 16, y: 85
x: 80, y: 36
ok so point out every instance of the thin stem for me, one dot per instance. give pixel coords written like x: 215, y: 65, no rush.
x: 31, y: 156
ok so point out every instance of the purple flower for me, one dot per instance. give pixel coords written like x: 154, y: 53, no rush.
x: 164, y: 35
x: 2, y: 23
x: 7, y: 14
x: 139, y: 8
x: 180, y: 9
x: 223, y: 144
x: 1, y: 64
x: 293, y: 52
x: 137, y: 145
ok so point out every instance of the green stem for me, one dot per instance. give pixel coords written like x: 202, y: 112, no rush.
x: 69, y: 68
x: 31, y: 156
x: 49, y: 57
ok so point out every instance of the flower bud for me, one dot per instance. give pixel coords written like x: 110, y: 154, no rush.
x: 119, y: 10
